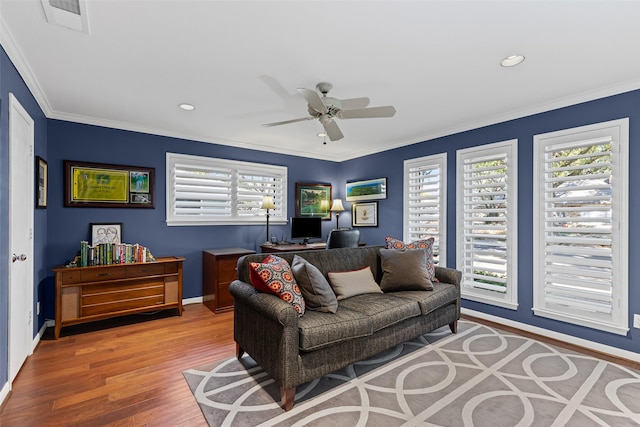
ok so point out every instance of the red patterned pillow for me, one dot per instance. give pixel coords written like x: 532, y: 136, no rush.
x: 273, y: 275
x: 426, y: 244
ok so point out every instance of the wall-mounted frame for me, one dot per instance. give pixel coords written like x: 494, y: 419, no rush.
x: 372, y: 189
x: 105, y: 232
x: 42, y: 172
x: 105, y: 185
x: 313, y: 200
x: 364, y: 214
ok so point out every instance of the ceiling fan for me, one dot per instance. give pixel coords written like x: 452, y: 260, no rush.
x: 326, y: 109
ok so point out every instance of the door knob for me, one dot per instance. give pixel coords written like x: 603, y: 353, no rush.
x: 21, y: 257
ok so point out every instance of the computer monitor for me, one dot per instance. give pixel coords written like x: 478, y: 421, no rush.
x: 306, y: 228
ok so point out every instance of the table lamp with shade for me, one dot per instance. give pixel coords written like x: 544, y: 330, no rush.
x: 337, y: 207
x: 268, y: 203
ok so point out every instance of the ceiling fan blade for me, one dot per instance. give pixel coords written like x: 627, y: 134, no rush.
x: 333, y: 131
x: 365, y: 113
x: 287, y: 122
x: 313, y: 99
x: 352, y: 103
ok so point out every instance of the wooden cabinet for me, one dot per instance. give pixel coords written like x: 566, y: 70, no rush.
x: 219, y: 269
x: 86, y: 294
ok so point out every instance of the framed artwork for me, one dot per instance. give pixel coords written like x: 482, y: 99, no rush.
x: 366, y: 190
x: 103, y: 185
x: 42, y: 170
x: 364, y: 214
x: 107, y: 232
x: 313, y: 200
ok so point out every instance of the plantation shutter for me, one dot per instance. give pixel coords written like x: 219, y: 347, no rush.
x: 424, y: 201
x: 578, y: 235
x: 485, y: 222
x: 581, y: 222
x: 202, y: 190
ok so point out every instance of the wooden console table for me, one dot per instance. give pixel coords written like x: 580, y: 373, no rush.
x: 87, y: 294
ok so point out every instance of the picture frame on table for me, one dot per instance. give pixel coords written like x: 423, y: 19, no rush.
x: 42, y: 172
x: 372, y: 189
x: 364, y: 214
x: 105, y: 185
x: 313, y: 200
x: 105, y: 232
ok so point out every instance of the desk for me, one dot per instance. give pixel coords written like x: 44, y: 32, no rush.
x: 292, y: 247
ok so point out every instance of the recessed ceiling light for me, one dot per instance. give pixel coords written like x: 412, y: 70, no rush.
x: 187, y: 107
x: 322, y: 135
x: 512, y: 60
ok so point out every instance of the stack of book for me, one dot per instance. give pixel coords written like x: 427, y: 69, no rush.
x: 113, y: 253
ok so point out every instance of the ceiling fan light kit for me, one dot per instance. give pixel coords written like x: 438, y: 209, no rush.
x: 327, y: 108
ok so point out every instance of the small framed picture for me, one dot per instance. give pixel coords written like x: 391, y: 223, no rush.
x: 372, y: 189
x: 364, y: 214
x: 108, y: 232
x: 41, y: 182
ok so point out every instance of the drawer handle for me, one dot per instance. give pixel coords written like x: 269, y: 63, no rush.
x: 103, y: 274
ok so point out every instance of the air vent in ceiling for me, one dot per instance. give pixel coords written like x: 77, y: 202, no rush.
x: 67, y: 13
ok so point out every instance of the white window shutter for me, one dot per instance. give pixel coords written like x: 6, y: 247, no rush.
x: 487, y: 213
x: 579, y: 198
x: 210, y: 191
x: 425, y: 202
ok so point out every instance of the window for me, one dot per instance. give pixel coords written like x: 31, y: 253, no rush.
x: 425, y: 202
x: 487, y: 223
x: 580, y: 226
x: 209, y: 191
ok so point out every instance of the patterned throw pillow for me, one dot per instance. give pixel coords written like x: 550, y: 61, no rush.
x: 426, y: 244
x: 273, y: 275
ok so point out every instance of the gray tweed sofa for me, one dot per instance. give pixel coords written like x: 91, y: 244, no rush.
x: 295, y: 349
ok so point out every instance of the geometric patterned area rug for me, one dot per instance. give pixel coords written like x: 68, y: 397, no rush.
x: 478, y: 377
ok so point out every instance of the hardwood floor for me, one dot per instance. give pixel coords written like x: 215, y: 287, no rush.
x: 120, y: 372
x: 127, y: 371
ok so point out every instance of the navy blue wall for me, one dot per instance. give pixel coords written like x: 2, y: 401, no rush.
x: 524, y: 129
x: 68, y: 226
x: 11, y: 82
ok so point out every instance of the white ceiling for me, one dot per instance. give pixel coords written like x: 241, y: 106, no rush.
x: 240, y: 62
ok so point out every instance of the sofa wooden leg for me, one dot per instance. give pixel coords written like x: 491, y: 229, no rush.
x: 454, y: 327
x: 287, y: 395
x: 239, y: 351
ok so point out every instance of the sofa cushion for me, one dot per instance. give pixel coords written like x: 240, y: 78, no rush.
x: 426, y: 244
x: 317, y: 329
x: 275, y: 276
x: 382, y: 310
x: 316, y: 291
x: 346, y: 284
x: 442, y: 294
x: 404, y: 270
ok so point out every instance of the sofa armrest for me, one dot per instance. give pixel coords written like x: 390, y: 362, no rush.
x: 266, y: 328
x: 449, y: 275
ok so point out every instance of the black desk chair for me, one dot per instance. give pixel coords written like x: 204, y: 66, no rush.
x: 343, y: 239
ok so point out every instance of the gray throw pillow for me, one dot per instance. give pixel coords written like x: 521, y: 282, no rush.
x: 315, y: 289
x: 404, y: 270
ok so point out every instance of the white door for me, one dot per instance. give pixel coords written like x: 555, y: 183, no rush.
x: 21, y: 205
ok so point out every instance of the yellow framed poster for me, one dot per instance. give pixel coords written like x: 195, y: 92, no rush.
x: 95, y: 185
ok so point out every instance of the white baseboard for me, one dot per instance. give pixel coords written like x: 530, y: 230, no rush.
x: 6, y: 388
x: 591, y: 345
x: 194, y: 300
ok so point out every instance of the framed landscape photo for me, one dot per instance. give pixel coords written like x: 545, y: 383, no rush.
x: 107, y: 232
x: 364, y: 214
x: 366, y: 190
x: 105, y: 185
x: 313, y: 200
x: 42, y: 170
